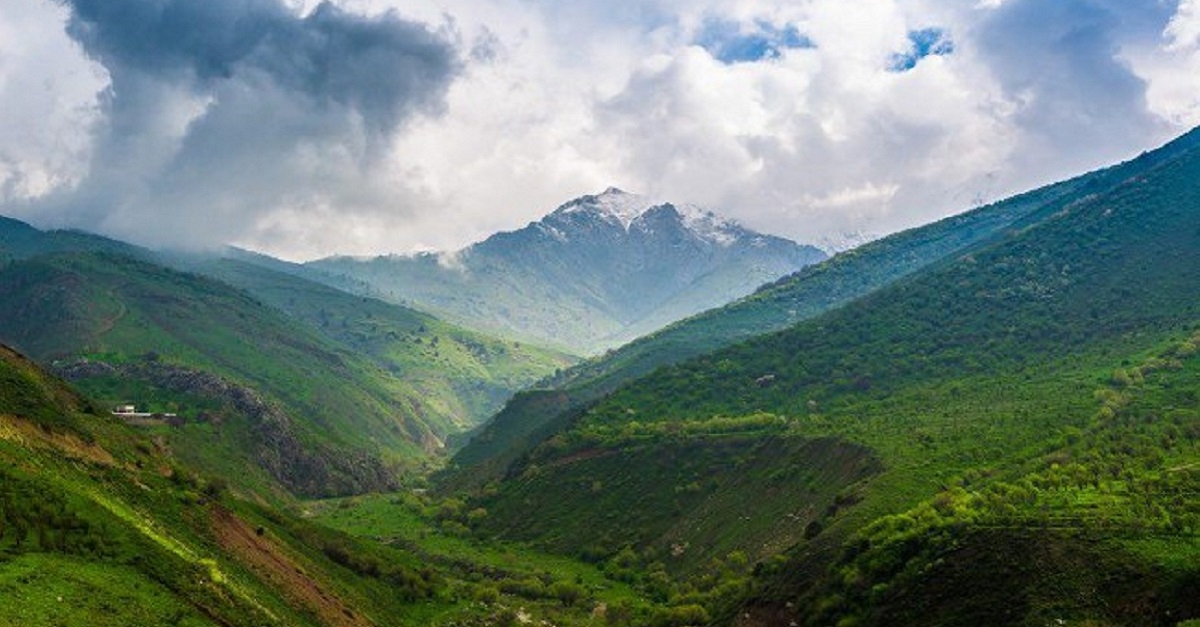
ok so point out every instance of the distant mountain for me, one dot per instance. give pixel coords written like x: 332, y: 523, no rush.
x: 530, y: 415
x: 1012, y: 433
x: 595, y: 273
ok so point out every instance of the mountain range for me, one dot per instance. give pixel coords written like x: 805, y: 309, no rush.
x: 595, y: 273
x: 993, y: 419
x: 321, y: 392
x: 1003, y: 433
x: 530, y: 415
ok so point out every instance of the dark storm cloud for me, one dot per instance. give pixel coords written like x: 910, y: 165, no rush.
x: 382, y: 67
x: 220, y: 112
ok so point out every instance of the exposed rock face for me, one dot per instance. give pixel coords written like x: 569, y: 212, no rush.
x: 304, y: 469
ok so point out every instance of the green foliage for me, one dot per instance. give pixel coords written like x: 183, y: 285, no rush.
x: 975, y: 383
x: 529, y: 418
x: 342, y: 412
x: 112, y: 531
x: 461, y: 373
x: 27, y: 392
x: 687, y: 497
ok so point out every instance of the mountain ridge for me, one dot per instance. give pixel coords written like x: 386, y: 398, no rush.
x: 531, y: 414
x: 305, y: 389
x: 593, y: 273
x: 1033, y: 386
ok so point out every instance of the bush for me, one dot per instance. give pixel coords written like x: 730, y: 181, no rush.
x: 680, y: 616
x: 566, y: 592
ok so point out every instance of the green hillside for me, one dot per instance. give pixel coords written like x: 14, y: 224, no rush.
x: 243, y: 377
x: 19, y: 240
x: 100, y: 526
x: 468, y: 374
x: 531, y: 416
x: 1016, y: 364
x: 342, y: 394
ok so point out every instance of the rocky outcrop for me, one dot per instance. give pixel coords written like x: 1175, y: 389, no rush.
x: 304, y: 468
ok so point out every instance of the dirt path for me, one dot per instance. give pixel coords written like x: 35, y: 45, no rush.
x: 271, y: 564
x: 107, y: 324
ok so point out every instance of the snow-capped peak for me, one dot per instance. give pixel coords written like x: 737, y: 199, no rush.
x: 614, y: 204
x: 625, y: 208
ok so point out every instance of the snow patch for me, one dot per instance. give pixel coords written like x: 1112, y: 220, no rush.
x: 553, y: 232
x: 709, y: 225
x: 623, y: 208
x: 613, y: 204
x: 834, y: 244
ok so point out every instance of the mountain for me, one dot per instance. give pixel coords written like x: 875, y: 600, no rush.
x: 598, y: 271
x: 344, y: 395
x: 533, y: 415
x: 1007, y: 436
x: 19, y: 240
x: 318, y: 418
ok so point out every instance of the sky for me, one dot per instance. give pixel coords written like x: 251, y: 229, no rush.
x: 303, y: 129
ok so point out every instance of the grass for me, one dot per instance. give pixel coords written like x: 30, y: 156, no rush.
x: 47, y: 589
x: 404, y: 520
x: 465, y: 374
x: 337, y: 405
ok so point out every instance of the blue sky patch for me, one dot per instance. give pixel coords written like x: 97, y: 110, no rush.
x: 728, y: 42
x: 926, y: 42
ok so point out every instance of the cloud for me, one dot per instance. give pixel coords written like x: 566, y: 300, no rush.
x: 304, y: 128
x: 1183, y: 31
x: 1172, y: 67
x: 219, y: 113
x: 47, y: 94
x: 1075, y: 101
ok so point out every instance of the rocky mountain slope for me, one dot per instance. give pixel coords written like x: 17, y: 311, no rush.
x: 595, y: 273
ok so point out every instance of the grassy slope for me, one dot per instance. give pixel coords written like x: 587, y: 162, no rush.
x: 99, y: 526
x: 967, y: 369
x: 117, y: 309
x: 531, y: 416
x: 468, y: 375
x: 1100, y: 529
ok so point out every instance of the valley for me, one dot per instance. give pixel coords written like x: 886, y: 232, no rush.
x: 992, y: 419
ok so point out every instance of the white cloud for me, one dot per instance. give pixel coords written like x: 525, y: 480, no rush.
x: 1172, y: 68
x: 1183, y: 31
x: 48, y: 96
x: 558, y: 99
